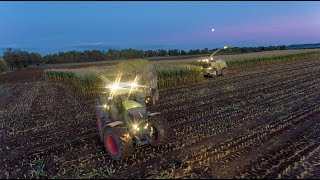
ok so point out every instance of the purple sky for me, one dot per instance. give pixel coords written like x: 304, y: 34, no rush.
x: 57, y: 26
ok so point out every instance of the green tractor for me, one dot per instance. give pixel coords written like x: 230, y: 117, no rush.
x: 211, y: 67
x: 124, y: 121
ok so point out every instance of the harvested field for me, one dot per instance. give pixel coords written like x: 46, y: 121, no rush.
x: 27, y: 75
x: 261, y: 122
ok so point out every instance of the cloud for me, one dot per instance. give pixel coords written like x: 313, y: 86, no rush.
x: 94, y: 44
x: 8, y: 45
x: 49, y: 38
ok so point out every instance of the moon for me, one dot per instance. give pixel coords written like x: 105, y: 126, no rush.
x: 212, y: 30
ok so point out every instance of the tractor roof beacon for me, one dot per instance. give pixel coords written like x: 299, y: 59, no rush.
x: 123, y: 118
x: 211, y: 67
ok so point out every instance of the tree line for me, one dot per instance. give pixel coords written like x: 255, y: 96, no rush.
x: 22, y: 59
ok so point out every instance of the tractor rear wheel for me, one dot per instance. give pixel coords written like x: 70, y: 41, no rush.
x: 160, y: 131
x: 118, y: 142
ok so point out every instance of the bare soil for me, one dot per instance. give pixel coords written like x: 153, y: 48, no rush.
x: 259, y: 123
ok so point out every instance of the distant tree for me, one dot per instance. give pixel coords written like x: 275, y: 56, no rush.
x: 3, y: 65
x: 205, y: 51
x: 17, y: 58
x: 174, y: 52
x: 163, y: 52
x: 8, y: 57
x: 23, y: 58
x: 149, y: 53
x: 116, y: 54
x: 283, y: 47
x: 35, y: 58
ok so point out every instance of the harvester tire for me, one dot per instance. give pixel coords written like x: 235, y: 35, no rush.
x: 161, y: 131
x: 117, y: 142
x: 224, y: 71
x: 216, y: 72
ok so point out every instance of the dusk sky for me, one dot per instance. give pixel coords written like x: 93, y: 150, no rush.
x: 49, y: 27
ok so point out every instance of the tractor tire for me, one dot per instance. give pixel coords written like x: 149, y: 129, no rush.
x: 224, y: 71
x: 117, y: 142
x: 161, y: 131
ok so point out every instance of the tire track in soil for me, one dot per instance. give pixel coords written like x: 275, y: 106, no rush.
x: 35, y: 145
x: 307, y: 126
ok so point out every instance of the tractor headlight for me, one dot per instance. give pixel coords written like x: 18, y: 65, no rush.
x: 136, y: 127
x: 147, y: 99
x: 146, y: 126
x: 210, y: 68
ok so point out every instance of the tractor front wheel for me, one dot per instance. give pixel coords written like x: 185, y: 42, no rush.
x: 118, y: 142
x: 160, y: 131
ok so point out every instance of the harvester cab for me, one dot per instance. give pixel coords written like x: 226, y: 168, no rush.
x: 211, y: 67
x: 123, y: 117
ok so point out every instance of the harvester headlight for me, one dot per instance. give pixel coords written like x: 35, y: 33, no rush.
x: 114, y: 87
x: 138, y: 129
x: 135, y: 126
x: 146, y: 126
x: 210, y: 68
x: 133, y: 84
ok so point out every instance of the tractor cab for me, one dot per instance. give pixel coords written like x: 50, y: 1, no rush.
x: 121, y: 106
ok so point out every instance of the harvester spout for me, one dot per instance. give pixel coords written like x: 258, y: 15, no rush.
x: 211, y: 56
